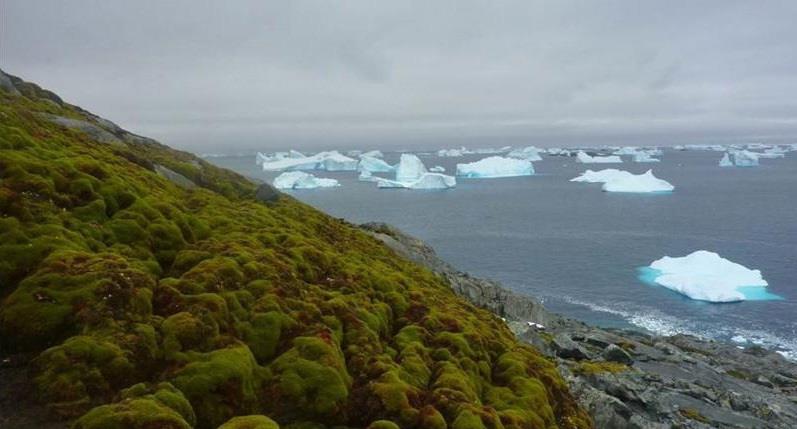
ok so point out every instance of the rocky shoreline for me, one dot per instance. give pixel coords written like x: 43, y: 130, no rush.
x: 629, y: 379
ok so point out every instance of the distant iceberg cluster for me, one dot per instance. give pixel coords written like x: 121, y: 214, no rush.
x: 496, y: 166
x: 302, y: 180
x: 623, y: 181
x: 706, y: 276
x: 329, y: 161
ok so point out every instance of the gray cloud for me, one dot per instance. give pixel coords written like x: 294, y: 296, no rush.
x: 259, y: 74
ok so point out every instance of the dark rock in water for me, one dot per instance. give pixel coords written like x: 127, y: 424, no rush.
x: 613, y: 353
x: 266, y: 193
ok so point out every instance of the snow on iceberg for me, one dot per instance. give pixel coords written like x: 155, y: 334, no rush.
x: 529, y: 153
x: 302, y: 180
x: 584, y: 158
x: 374, y: 165
x: 705, y: 276
x: 622, y: 181
x: 410, y: 168
x: 496, y: 166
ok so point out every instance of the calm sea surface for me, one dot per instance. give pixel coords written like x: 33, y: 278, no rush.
x: 578, y: 248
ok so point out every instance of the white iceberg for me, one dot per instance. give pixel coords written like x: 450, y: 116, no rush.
x: 437, y: 169
x: 726, y: 160
x: 374, y: 165
x: 329, y: 161
x: 705, y: 276
x: 367, y: 176
x: 410, y: 168
x: 442, y: 153
x: 627, y: 150
x: 744, y: 158
x: 496, y: 166
x: 584, y: 158
x: 425, y: 181
x: 622, y: 181
x: 373, y: 154
x: 529, y: 153
x: 644, y: 157
x: 302, y: 180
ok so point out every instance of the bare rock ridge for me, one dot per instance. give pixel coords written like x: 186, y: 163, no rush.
x: 629, y: 379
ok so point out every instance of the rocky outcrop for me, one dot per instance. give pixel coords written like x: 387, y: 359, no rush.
x: 629, y: 379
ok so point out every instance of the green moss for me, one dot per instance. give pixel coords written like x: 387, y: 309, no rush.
x: 599, y: 367
x: 113, y: 275
x: 141, y: 407
x: 383, y: 424
x: 693, y: 414
x: 250, y: 422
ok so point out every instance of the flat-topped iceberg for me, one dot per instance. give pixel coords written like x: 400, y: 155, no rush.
x: 622, y: 181
x: 529, y: 153
x: 585, y: 158
x: 739, y: 158
x: 329, y: 161
x: 425, y: 181
x: 496, y: 166
x: 374, y: 165
x: 373, y: 154
x: 302, y: 180
x: 705, y: 276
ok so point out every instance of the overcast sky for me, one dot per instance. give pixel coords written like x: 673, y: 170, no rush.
x: 238, y: 75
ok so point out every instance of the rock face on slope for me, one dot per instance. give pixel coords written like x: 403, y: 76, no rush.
x: 628, y: 379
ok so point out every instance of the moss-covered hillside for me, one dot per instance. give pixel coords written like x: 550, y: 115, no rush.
x: 153, y: 290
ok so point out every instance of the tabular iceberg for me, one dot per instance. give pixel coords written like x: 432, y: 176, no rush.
x: 302, y: 180
x: 705, y: 276
x: 584, y: 158
x: 374, y: 165
x: 622, y: 181
x: 496, y: 166
x: 329, y: 161
x: 373, y: 154
x: 425, y: 181
x: 529, y: 153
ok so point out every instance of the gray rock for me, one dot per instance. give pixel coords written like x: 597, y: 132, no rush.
x: 613, y: 353
x: 94, y: 131
x: 267, y: 193
x: 567, y: 348
x: 175, y: 177
x: 7, y: 85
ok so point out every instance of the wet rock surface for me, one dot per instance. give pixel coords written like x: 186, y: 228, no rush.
x: 629, y: 379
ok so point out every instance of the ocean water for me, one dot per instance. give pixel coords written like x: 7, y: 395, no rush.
x: 580, y: 249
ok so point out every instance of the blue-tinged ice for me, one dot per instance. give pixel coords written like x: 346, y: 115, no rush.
x: 496, y: 166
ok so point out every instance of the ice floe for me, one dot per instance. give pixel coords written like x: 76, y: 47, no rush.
x: 496, y: 166
x: 437, y: 169
x: 302, y: 180
x: 529, y: 153
x: 706, y: 276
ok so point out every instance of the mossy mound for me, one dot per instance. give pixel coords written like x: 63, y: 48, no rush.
x: 116, y: 276
x: 250, y: 422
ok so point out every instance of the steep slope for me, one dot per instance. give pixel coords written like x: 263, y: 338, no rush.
x: 154, y: 290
